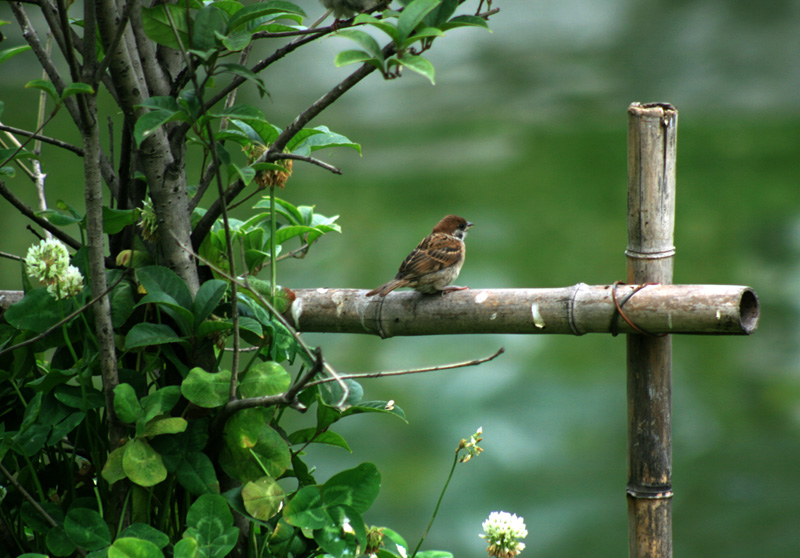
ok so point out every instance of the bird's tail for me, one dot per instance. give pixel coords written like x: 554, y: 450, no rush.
x: 386, y: 288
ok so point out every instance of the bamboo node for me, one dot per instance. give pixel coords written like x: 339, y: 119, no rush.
x: 571, y: 317
x: 655, y: 255
x: 618, y: 312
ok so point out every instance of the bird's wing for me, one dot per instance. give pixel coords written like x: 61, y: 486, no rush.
x: 435, y: 252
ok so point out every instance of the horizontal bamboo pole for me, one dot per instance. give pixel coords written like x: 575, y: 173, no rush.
x: 699, y: 309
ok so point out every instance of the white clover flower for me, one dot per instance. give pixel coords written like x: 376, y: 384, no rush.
x: 47, y: 260
x: 68, y: 285
x: 502, y: 531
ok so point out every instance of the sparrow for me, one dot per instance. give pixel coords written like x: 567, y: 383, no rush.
x: 436, y: 261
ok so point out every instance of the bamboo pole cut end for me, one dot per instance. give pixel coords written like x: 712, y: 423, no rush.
x: 749, y: 311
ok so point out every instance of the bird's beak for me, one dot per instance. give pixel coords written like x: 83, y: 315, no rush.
x: 469, y: 225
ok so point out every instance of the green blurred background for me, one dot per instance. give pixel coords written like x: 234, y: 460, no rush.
x: 525, y: 135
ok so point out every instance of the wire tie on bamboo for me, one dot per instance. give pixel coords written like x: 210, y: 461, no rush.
x: 619, y: 312
x: 379, y: 316
x: 571, y: 317
x: 647, y: 493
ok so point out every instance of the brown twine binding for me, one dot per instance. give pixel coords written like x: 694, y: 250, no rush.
x: 619, y: 312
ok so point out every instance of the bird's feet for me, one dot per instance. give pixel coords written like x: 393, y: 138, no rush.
x: 450, y: 289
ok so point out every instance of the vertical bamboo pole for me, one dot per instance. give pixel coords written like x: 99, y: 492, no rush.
x: 652, y: 140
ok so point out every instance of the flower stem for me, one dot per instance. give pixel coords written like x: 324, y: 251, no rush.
x: 438, y: 503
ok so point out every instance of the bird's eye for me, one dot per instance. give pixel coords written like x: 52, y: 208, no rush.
x: 461, y: 226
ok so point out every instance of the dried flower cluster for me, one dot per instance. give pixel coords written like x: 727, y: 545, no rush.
x: 471, y: 445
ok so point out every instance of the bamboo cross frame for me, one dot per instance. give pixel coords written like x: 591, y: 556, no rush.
x: 650, y: 303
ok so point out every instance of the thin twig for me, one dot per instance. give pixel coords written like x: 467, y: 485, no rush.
x: 279, y: 156
x: 46, y: 139
x: 30, y: 214
x: 463, y: 364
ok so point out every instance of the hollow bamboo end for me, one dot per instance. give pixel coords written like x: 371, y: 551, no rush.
x: 748, y: 311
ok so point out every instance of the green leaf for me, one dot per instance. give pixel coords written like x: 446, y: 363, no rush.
x: 195, y: 472
x: 263, y: 498
x: 149, y: 122
x: 58, y: 543
x: 411, y: 18
x: 208, y: 298
x: 77, y: 88
x: 418, y: 64
x: 264, y: 378
x: 210, y: 523
x: 208, y: 22
x: 243, y: 71
x: 87, y: 529
x: 252, y: 448
x: 347, y: 57
x: 207, y: 389
x: 262, y: 11
x: 146, y: 334
x: 311, y: 435
x: 114, y: 220
x: 158, y: 278
x: 376, y: 407
x: 142, y: 464
x: 131, y: 547
x: 306, y: 509
x: 337, y: 540
x: 146, y: 532
x: 434, y: 554
x: 126, y: 403
x: 236, y: 40
x: 183, y: 317
x: 157, y: 26
x: 465, y: 21
x: 321, y: 139
x: 365, y: 40
x: 122, y: 302
x: 186, y: 548
x: 112, y: 469
x: 44, y: 85
x: 10, y: 52
x: 441, y: 13
x: 356, y: 487
x: 166, y: 425
x: 160, y: 402
x: 37, y: 311
x: 384, y: 25
x: 60, y: 219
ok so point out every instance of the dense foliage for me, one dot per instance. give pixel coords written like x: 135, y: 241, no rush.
x: 143, y: 409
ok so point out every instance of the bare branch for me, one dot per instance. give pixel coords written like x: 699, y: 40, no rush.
x: 278, y: 156
x: 30, y: 214
x: 451, y: 366
x: 45, y: 139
